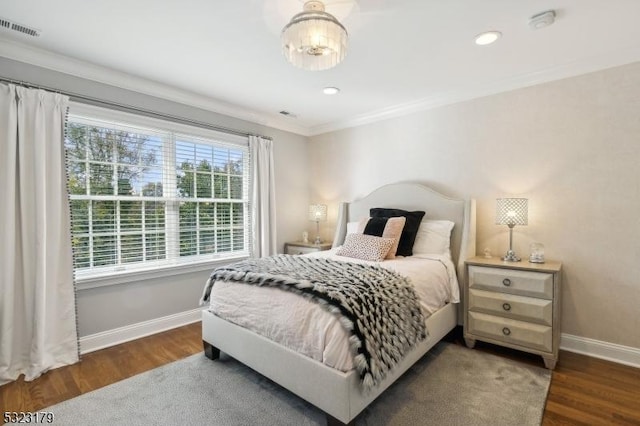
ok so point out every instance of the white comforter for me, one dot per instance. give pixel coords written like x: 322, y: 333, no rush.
x: 305, y: 327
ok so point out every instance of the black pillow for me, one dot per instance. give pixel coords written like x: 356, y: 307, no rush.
x: 408, y: 237
x: 375, y: 226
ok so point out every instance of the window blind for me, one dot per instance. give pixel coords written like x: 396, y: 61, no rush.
x: 144, y: 196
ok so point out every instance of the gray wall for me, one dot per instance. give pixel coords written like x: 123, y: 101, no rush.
x: 106, y: 308
x: 571, y: 146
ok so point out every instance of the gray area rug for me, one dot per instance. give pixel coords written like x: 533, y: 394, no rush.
x: 450, y: 385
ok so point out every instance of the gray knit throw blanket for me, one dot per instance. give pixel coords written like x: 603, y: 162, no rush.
x: 378, y: 307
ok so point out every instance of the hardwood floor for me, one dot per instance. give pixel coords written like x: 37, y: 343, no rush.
x: 101, y: 368
x: 583, y: 390
x: 593, y: 391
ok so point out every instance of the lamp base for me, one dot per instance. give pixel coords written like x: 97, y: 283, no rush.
x: 511, y: 257
x: 317, y: 241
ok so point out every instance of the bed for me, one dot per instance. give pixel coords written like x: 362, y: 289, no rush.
x: 309, y: 378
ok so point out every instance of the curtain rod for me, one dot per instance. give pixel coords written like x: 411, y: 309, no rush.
x: 129, y: 108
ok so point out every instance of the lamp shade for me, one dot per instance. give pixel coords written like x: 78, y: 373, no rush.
x: 318, y: 212
x: 512, y: 211
x: 314, y: 40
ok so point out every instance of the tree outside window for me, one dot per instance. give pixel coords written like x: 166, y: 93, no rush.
x: 141, y: 196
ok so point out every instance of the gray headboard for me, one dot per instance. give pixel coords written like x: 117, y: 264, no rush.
x: 413, y: 196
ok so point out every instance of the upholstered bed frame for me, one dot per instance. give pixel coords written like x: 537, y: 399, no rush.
x: 309, y: 378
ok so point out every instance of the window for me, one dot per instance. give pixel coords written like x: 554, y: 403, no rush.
x: 147, y: 196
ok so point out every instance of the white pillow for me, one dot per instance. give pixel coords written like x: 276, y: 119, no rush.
x: 434, y: 237
x: 352, y: 227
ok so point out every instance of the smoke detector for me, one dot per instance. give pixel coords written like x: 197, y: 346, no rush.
x: 14, y: 26
x: 543, y: 19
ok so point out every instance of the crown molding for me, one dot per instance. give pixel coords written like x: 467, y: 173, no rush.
x: 571, y: 69
x: 56, y: 62
x: 42, y: 58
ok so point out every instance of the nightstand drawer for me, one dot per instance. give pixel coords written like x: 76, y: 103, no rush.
x: 301, y: 250
x: 511, y: 306
x: 515, y: 332
x: 524, y: 283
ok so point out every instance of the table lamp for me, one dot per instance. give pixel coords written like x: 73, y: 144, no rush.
x: 511, y: 212
x: 317, y: 213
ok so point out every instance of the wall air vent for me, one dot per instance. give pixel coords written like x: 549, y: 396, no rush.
x: 14, y: 26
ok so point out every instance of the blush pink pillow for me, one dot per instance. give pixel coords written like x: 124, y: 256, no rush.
x: 393, y: 229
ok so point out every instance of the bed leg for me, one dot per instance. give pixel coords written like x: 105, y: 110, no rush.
x: 332, y: 421
x: 210, y: 351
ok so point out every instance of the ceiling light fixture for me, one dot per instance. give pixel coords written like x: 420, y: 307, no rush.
x: 314, y: 40
x: 330, y: 90
x: 487, y: 37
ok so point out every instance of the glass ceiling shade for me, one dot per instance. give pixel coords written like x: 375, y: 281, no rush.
x: 314, y: 40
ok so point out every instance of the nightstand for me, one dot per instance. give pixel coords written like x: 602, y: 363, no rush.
x: 299, y: 247
x: 514, y: 304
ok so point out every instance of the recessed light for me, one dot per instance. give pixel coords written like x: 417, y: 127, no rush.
x: 330, y: 90
x: 487, y: 37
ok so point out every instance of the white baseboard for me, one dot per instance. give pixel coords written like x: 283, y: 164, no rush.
x: 598, y: 349
x: 94, y: 342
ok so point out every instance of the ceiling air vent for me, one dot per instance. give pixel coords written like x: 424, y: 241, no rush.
x: 288, y: 114
x: 14, y: 26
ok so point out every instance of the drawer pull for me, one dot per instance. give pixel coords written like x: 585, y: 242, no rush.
x: 506, y: 331
x: 506, y: 282
x: 506, y: 306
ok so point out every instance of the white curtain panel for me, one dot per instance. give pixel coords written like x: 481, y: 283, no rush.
x: 37, y: 305
x: 263, y: 197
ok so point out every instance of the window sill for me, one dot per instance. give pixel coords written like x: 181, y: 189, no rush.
x: 127, y: 277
